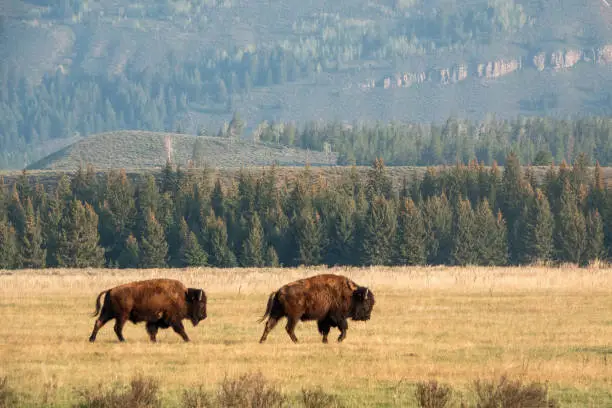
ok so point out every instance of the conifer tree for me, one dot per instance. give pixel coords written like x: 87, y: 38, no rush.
x: 130, y: 255
x: 192, y: 253
x: 253, y: 246
x: 118, y: 213
x: 83, y: 184
x: 536, y: 230
x: 411, y: 237
x: 8, y: 245
x: 379, y: 182
x: 339, y: 221
x: 438, y: 220
x: 465, y: 250
x: 146, y: 197
x: 218, y: 199
x: 16, y: 212
x: 491, y: 238
x: 154, y: 248
x: 307, y: 232
x: 220, y: 254
x: 31, y: 251
x: 63, y: 191
x: 78, y: 242
x: 594, y: 248
x: 378, y: 233
x: 51, y: 217
x: 512, y: 198
x: 571, y: 231
x: 271, y: 257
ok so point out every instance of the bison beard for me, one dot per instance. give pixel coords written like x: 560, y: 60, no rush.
x: 328, y: 299
x: 161, y: 303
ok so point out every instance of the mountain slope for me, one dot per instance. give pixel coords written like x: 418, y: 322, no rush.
x: 147, y: 150
x: 73, y: 69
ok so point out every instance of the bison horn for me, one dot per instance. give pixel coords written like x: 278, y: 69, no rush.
x: 200, y: 297
x: 366, y: 294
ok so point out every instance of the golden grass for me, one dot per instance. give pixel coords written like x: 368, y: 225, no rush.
x: 451, y: 324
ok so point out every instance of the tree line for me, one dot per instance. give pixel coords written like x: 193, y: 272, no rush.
x: 464, y: 215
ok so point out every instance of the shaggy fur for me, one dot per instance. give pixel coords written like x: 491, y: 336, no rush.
x: 328, y: 299
x: 161, y: 303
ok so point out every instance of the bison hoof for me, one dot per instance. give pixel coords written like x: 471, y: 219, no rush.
x: 92, y: 339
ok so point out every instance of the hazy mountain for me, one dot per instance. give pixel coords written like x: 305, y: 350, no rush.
x: 71, y: 68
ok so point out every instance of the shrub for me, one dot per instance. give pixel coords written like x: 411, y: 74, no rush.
x: 512, y: 394
x: 318, y: 398
x: 432, y: 395
x: 249, y: 390
x: 142, y: 393
x: 197, y: 398
x: 8, y: 397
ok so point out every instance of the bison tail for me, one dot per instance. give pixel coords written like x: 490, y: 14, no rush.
x: 271, y: 299
x: 98, y: 303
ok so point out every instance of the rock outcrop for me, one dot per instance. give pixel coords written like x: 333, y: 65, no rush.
x: 556, y: 61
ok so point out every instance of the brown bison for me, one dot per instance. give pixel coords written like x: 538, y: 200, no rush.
x: 328, y: 299
x: 162, y: 303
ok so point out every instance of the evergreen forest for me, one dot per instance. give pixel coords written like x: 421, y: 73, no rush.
x: 463, y: 215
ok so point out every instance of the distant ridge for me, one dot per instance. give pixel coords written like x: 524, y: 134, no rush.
x: 140, y: 150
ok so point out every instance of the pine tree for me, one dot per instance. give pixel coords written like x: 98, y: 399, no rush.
x: 378, y: 233
x: 31, y: 251
x: 339, y: 220
x: 536, y: 230
x: 118, y: 213
x: 192, y: 253
x: 220, y: 254
x: 253, y: 246
x: 218, y: 199
x: 16, y: 212
x: 271, y: 257
x: 83, y: 184
x: 8, y: 245
x: 512, y: 197
x: 571, y: 228
x: 465, y: 247
x: 77, y: 245
x: 491, y: 238
x: 307, y: 231
x: 594, y: 248
x: 154, y: 247
x: 130, y: 256
x: 438, y: 220
x: 379, y: 182
x: 411, y: 237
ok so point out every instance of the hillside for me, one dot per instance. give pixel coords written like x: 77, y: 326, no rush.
x: 72, y: 69
x: 149, y: 150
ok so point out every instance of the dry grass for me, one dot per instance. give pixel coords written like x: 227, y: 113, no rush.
x: 454, y: 325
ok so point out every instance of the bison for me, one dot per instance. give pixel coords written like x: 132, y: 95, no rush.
x: 162, y: 303
x: 328, y: 299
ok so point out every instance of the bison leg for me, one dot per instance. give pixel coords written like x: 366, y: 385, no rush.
x: 97, y: 326
x: 119, y: 323
x: 343, y: 327
x: 152, y: 330
x: 269, y: 326
x: 180, y: 329
x: 324, y: 327
x: 291, y: 323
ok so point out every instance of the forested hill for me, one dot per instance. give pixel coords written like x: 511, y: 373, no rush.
x: 71, y: 68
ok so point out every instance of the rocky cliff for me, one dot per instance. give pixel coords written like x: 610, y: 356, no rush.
x: 541, y: 61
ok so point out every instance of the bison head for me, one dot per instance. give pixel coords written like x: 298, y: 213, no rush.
x: 196, y: 299
x: 362, y: 303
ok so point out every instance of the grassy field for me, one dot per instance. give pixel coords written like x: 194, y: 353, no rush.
x: 455, y: 325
